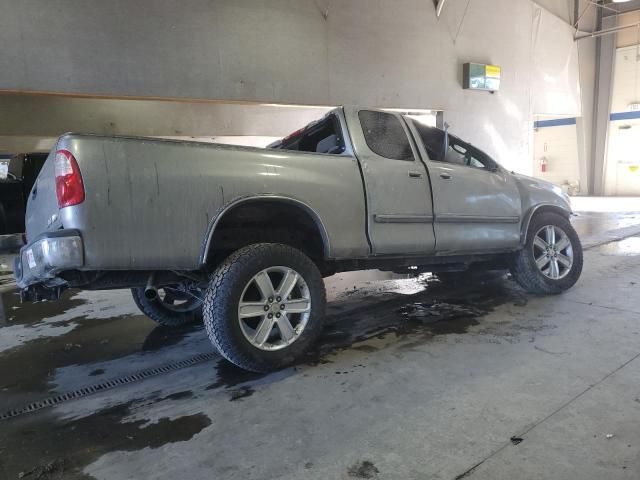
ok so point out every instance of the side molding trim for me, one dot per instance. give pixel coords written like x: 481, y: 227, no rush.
x: 454, y: 218
x: 402, y: 218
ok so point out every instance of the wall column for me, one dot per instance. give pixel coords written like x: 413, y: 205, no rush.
x: 605, y: 55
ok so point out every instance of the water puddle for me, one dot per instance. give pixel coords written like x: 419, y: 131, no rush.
x: 89, y: 342
x: 57, y: 450
x: 591, y: 223
x: 627, y: 247
x: 440, y: 318
x: 403, y: 321
x: 13, y: 312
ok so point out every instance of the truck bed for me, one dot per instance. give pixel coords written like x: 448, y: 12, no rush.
x: 150, y: 203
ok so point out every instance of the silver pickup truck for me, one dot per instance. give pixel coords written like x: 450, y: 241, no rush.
x: 242, y: 237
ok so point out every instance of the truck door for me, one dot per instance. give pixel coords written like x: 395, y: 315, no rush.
x: 399, y: 208
x: 476, y: 202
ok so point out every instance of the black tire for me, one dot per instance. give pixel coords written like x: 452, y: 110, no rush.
x: 226, y: 287
x: 160, y: 313
x: 524, y: 269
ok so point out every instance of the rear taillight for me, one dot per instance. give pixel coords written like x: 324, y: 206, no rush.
x: 69, y: 186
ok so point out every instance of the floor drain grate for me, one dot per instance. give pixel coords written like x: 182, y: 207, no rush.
x: 106, y: 385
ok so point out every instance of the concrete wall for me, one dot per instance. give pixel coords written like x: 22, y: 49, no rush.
x: 392, y: 53
x: 560, y: 8
x: 556, y: 140
x: 626, y: 79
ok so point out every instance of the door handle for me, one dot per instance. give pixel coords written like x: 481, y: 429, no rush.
x: 414, y: 174
x: 445, y: 176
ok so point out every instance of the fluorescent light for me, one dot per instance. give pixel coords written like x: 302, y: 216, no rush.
x: 620, y: 1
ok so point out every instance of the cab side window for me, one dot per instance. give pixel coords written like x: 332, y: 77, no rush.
x: 458, y: 152
x: 385, y: 135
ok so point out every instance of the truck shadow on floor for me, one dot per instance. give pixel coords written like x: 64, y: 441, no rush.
x: 105, y: 348
x: 397, y: 320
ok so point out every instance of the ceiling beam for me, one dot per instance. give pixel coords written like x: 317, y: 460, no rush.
x: 607, y: 31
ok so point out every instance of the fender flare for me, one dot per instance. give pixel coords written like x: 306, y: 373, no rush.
x: 533, y: 210
x: 206, y: 244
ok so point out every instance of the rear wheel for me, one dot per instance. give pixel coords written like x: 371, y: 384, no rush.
x: 174, y: 306
x: 264, y: 306
x: 551, y: 260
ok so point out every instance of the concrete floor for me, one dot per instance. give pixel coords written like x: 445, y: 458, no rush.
x: 411, y: 380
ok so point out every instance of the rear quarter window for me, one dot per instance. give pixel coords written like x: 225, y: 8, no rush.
x: 324, y: 136
x: 385, y: 135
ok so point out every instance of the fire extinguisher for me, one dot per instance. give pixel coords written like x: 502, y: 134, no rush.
x: 543, y: 164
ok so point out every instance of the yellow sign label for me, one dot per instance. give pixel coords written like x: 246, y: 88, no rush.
x: 492, y: 71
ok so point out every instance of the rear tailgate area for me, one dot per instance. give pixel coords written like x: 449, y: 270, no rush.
x: 42, y: 204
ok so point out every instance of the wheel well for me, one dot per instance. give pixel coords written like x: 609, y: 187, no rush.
x: 270, y: 221
x: 540, y: 210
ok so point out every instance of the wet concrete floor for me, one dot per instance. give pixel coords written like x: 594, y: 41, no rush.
x: 412, y: 378
x: 408, y: 311
x: 591, y: 223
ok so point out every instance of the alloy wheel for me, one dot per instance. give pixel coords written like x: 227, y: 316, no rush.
x: 274, y: 308
x: 553, y: 252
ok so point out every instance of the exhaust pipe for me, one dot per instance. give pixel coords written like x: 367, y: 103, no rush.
x: 151, y: 291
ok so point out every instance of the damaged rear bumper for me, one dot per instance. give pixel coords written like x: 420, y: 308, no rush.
x: 40, y: 262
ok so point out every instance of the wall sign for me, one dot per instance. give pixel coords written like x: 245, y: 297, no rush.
x: 477, y: 76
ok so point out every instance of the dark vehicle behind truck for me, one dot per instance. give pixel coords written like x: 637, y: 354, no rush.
x: 23, y: 169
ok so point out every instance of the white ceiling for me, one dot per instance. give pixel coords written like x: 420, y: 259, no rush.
x: 615, y: 8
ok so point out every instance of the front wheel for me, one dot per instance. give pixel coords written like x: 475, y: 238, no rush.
x: 551, y: 260
x: 265, y: 306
